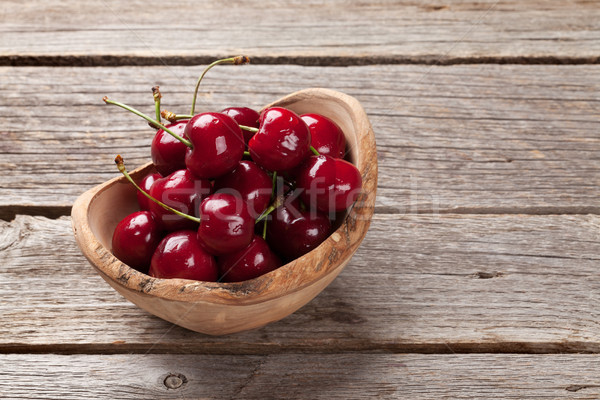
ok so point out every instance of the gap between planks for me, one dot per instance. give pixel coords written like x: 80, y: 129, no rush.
x: 307, y: 347
x: 10, y: 212
x: 321, y: 61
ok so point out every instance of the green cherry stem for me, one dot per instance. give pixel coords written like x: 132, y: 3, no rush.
x: 274, y: 184
x: 274, y: 205
x: 121, y: 165
x: 314, y: 151
x: 157, y: 96
x: 249, y: 128
x: 147, y: 118
x: 273, y: 189
x: 238, y: 60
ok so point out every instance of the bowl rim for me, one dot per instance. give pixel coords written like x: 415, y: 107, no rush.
x: 334, y: 252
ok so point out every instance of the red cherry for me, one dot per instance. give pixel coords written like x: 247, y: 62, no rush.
x: 329, y: 184
x: 182, y: 191
x: 282, y: 141
x: 251, y: 183
x: 145, y: 184
x: 244, y: 116
x: 135, y: 238
x: 218, y: 145
x: 248, y: 263
x: 292, y: 232
x: 179, y: 255
x: 225, y: 224
x: 325, y: 135
x: 168, y: 153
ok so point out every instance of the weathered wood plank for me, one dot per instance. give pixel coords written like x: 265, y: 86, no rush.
x: 112, y: 32
x: 472, y: 139
x: 292, y: 376
x: 448, y: 283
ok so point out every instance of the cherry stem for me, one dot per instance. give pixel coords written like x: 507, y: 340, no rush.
x: 238, y: 60
x: 147, y: 118
x: 172, y: 117
x: 247, y: 154
x: 274, y: 205
x: 274, y: 185
x: 121, y: 165
x: 273, y: 189
x: 249, y: 128
x: 314, y: 151
x: 157, y: 96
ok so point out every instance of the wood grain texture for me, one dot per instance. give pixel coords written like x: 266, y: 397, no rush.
x: 292, y: 376
x: 310, y: 32
x: 447, y: 283
x: 462, y: 139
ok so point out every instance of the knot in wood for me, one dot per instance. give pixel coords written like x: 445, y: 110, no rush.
x: 175, y: 381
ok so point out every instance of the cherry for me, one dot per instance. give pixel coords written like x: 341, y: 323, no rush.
x: 182, y: 191
x: 180, y: 255
x: 135, y: 238
x: 248, y: 263
x: 325, y: 135
x: 145, y: 184
x: 293, y: 232
x: 244, y: 116
x: 168, y: 153
x: 250, y: 182
x: 225, y: 224
x: 329, y: 184
x: 217, y: 145
x: 281, y: 142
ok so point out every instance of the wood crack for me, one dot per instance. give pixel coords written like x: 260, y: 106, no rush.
x: 250, y: 378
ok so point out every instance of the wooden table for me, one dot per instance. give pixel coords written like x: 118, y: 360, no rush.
x: 479, y: 277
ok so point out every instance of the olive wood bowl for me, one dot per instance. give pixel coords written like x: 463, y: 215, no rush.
x: 222, y: 308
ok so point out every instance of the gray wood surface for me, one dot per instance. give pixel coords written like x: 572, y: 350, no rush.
x: 481, y: 266
x: 112, y: 32
x: 462, y: 139
x: 293, y: 376
x: 447, y: 283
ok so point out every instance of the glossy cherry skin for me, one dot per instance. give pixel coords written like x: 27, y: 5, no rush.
x: 329, y: 184
x: 282, y: 141
x: 218, y: 145
x: 146, y: 183
x: 248, y: 263
x: 225, y: 224
x: 292, y: 232
x: 179, y: 255
x: 244, y: 116
x: 251, y: 183
x: 184, y: 192
x: 325, y: 135
x: 168, y: 153
x: 135, y: 238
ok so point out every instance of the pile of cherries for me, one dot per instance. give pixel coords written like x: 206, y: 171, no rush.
x: 235, y: 193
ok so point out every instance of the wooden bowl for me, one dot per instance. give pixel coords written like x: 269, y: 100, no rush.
x: 222, y: 308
